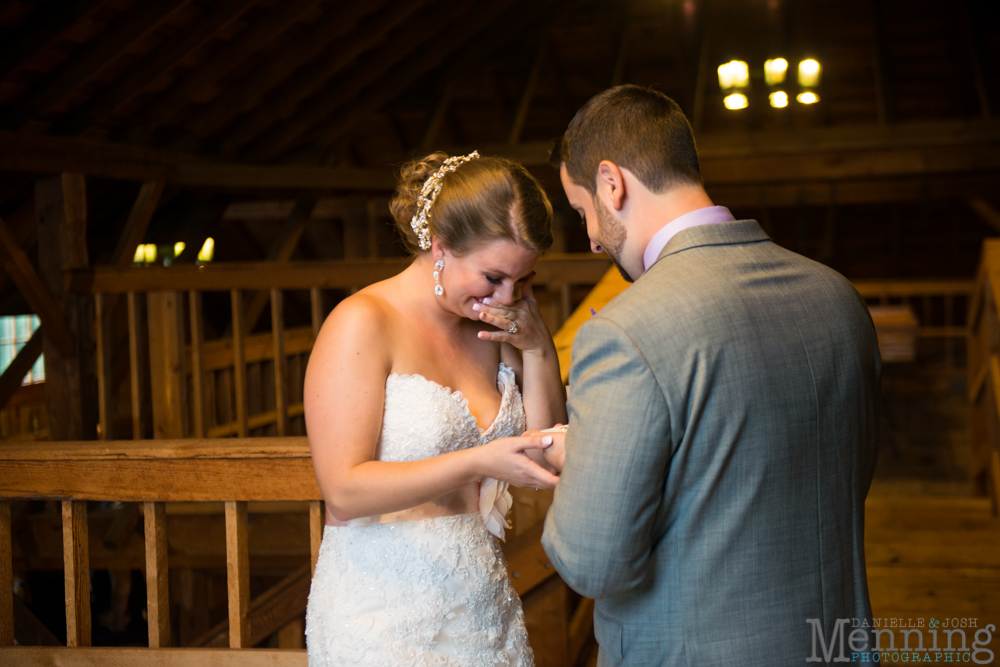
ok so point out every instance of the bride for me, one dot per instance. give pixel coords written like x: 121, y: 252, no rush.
x: 413, y: 393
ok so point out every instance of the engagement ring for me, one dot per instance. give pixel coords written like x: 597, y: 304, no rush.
x: 512, y: 328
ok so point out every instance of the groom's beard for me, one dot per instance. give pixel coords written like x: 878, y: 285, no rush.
x: 613, y: 236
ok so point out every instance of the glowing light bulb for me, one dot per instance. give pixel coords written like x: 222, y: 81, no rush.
x: 735, y: 101
x: 734, y: 74
x: 179, y: 248
x: 807, y: 98
x: 775, y: 71
x: 809, y: 72
x: 207, y: 251
x: 779, y: 99
x: 140, y: 254
x: 149, y: 252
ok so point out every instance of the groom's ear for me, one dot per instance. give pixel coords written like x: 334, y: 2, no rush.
x: 611, y: 185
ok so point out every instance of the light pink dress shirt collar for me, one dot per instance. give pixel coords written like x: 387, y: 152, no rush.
x: 702, y: 216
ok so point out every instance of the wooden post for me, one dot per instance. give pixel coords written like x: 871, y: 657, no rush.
x: 6, y: 577
x: 280, y: 362
x: 103, y: 370
x: 157, y: 584
x: 76, y: 560
x: 138, y: 359
x: 166, y: 364
x: 238, y: 571
x: 197, y: 365
x: 70, y: 384
x: 316, y: 522
x: 239, y: 363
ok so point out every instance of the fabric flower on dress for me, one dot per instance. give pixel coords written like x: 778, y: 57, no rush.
x: 494, y: 503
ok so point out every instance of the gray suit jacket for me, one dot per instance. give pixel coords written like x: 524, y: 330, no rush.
x: 722, y: 440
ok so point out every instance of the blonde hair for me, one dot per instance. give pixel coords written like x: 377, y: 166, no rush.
x: 480, y: 201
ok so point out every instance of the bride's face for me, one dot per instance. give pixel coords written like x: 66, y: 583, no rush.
x: 497, y: 269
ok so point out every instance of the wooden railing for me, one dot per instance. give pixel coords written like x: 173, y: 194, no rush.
x: 238, y: 473
x: 984, y: 375
x: 181, y: 385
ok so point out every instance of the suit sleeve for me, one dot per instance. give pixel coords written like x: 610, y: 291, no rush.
x: 599, y: 530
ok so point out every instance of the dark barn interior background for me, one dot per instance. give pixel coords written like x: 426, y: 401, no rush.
x: 274, y: 127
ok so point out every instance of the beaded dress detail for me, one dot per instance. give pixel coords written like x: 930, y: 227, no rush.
x: 431, y: 591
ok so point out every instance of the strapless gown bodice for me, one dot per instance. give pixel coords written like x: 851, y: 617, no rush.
x: 431, y: 591
x: 422, y: 419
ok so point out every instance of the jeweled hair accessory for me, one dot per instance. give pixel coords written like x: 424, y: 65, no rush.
x: 429, y: 192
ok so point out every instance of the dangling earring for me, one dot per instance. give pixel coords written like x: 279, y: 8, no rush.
x: 438, y: 265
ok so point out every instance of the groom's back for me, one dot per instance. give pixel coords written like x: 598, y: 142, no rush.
x: 768, y: 364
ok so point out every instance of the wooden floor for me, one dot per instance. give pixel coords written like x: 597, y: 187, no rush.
x: 932, y: 555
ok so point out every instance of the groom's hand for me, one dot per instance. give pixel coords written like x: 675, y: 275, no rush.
x: 555, y: 454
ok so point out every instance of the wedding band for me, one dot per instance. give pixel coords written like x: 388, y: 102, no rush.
x: 512, y: 328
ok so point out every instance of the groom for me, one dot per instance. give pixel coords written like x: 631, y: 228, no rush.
x: 723, y: 415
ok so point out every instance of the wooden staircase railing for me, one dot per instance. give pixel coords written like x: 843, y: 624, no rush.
x: 984, y: 375
x: 154, y: 473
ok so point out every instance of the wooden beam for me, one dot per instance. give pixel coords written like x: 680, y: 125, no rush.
x: 326, y: 34
x: 285, y: 98
x: 436, y: 116
x: 574, y: 268
x: 623, y: 12
x: 527, y: 93
x: 977, y: 56
x: 82, y: 66
x: 137, y: 222
x: 491, y: 30
x: 420, y: 30
x: 268, y: 25
x: 53, y: 155
x: 44, y: 27
x: 281, y: 251
x: 14, y: 374
x: 884, y: 99
x: 167, y: 470
x: 35, y: 292
x: 144, y: 657
x: 987, y: 212
x: 187, y: 40
x: 70, y: 382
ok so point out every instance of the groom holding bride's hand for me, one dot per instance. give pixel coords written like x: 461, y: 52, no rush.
x: 722, y: 415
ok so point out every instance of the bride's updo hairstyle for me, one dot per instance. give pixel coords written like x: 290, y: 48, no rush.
x: 481, y: 201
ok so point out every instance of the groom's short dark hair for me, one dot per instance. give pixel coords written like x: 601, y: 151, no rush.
x: 637, y: 128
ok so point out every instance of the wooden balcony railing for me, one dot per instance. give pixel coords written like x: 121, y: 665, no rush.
x: 984, y: 375
x: 235, y: 472
x: 181, y: 385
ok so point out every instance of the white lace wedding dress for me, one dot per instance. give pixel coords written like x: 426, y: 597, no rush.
x: 431, y: 591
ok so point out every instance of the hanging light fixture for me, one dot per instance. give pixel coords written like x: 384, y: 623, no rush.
x: 734, y: 74
x: 735, y: 101
x: 809, y: 73
x: 207, y: 251
x: 179, y: 248
x: 149, y: 252
x: 775, y: 71
x: 778, y: 99
x: 807, y: 97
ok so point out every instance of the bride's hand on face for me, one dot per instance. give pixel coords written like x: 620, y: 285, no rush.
x: 531, y: 332
x: 505, y: 459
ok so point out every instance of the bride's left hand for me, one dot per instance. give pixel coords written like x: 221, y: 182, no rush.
x: 531, y: 333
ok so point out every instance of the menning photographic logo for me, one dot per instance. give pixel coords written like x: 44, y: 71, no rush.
x: 874, y: 640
